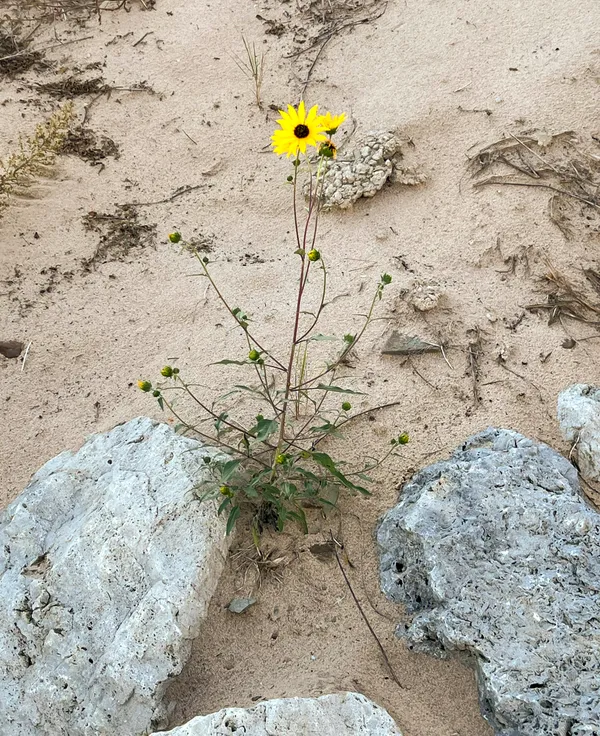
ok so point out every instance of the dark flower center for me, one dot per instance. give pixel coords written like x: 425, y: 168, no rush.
x: 301, y: 131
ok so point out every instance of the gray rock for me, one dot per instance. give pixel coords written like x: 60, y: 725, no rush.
x: 344, y: 714
x: 497, y: 556
x: 364, y: 172
x: 107, y: 566
x: 579, y: 419
x: 239, y: 605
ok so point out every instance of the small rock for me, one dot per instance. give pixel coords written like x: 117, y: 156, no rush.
x: 365, y: 171
x: 11, y: 348
x: 425, y: 295
x: 344, y: 714
x: 239, y: 605
x: 399, y: 344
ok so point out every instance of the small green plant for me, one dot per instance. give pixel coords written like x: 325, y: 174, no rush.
x: 253, y: 68
x: 34, y: 156
x: 276, y: 463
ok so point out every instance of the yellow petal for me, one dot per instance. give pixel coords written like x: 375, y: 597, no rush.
x: 301, y: 112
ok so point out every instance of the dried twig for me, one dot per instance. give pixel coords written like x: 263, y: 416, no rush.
x: 177, y: 193
x: 326, y: 37
x: 362, y: 613
x: 25, y: 356
x: 474, y: 351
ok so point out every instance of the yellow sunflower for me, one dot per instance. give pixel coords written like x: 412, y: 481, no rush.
x: 331, y: 122
x: 299, y: 129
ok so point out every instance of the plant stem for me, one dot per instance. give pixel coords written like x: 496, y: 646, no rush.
x: 280, y: 365
x: 213, y: 440
x: 304, y: 269
x: 346, y: 350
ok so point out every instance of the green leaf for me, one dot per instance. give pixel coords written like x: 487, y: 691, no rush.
x: 224, y: 504
x: 338, y: 389
x: 228, y: 469
x: 300, y: 517
x: 270, y: 493
x: 233, y: 517
x: 220, y: 419
x: 264, y: 429
x: 308, y: 474
x: 323, y: 459
x: 281, y: 517
x: 161, y: 403
x: 289, y: 489
x: 327, y: 429
x: 319, y: 338
x: 249, y: 388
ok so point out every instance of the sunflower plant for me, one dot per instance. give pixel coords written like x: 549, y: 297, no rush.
x: 275, y: 463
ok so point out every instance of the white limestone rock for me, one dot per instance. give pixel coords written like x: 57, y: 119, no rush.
x: 343, y: 714
x: 497, y: 556
x: 365, y: 171
x: 107, y: 567
x: 579, y: 419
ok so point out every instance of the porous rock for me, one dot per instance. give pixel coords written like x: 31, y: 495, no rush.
x: 579, y: 419
x: 364, y: 172
x: 107, y: 566
x: 343, y: 714
x: 496, y: 555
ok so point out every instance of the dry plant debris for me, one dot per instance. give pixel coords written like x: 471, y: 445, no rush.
x: 568, y: 300
x: 255, y: 564
x: 119, y: 233
x: 561, y: 164
x: 88, y: 146
x: 474, y: 353
x: 15, y: 54
x: 314, y: 23
x: 62, y: 9
x: 35, y: 155
x: 72, y: 86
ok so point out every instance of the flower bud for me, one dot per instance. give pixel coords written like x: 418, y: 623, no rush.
x: 175, y: 237
x: 254, y: 355
x: 314, y: 255
x: 346, y: 406
x: 167, y: 371
x: 156, y: 394
x: 281, y: 458
x: 404, y: 439
x: 386, y: 279
x: 328, y: 149
x: 226, y: 491
x: 144, y: 386
x: 175, y: 371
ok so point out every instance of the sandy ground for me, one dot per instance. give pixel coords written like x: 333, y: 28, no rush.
x: 451, y: 75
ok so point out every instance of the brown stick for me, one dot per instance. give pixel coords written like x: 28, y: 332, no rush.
x: 362, y: 613
x: 500, y: 182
